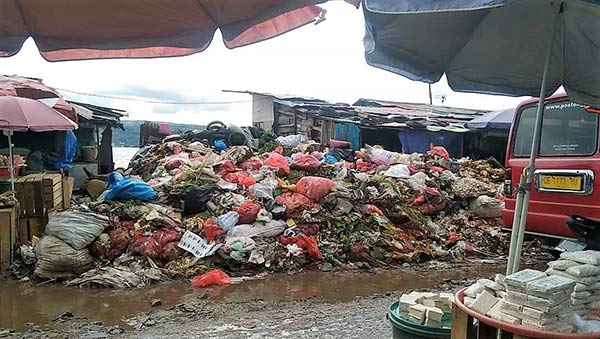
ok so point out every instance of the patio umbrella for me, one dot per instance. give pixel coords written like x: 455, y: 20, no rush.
x: 502, y: 47
x: 90, y: 29
x: 22, y: 114
x: 499, y: 120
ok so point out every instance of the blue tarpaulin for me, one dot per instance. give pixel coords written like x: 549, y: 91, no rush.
x: 348, y: 132
x: 419, y: 141
x: 501, y: 120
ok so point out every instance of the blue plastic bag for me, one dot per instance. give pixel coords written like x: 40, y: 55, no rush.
x: 123, y: 188
x: 65, y: 161
x: 219, y: 145
x: 330, y: 159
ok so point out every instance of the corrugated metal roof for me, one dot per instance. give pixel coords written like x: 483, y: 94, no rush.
x: 102, y: 115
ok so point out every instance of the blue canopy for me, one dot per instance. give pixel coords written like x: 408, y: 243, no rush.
x: 501, y: 120
x: 488, y: 46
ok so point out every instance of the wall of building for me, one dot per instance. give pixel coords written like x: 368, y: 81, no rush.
x: 262, y: 111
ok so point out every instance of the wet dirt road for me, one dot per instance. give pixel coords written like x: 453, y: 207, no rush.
x: 306, y: 305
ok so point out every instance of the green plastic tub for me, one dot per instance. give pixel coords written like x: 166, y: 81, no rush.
x: 404, y: 329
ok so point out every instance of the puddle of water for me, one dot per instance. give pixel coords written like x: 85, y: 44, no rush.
x: 22, y: 303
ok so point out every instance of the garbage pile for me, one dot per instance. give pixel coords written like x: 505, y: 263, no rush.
x: 185, y: 207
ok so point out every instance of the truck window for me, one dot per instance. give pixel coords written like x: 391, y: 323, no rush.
x: 567, y: 130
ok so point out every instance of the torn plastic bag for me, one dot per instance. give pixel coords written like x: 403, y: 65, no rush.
x: 309, y: 244
x: 109, y: 277
x: 294, y: 202
x: 291, y: 141
x: 261, y: 191
x: 211, y: 229
x: 240, y: 244
x: 195, y: 199
x: 380, y: 156
x: 315, y: 188
x: 486, y: 207
x: 228, y: 220
x: 124, y: 188
x: 252, y: 164
x: 306, y: 162
x: 76, y: 228
x: 269, y: 229
x: 211, y: 278
x: 399, y: 171
x: 264, y: 215
x: 417, y: 181
x: 247, y: 212
x: 279, y: 161
x: 56, y: 259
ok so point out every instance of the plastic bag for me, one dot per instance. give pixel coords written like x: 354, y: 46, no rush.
x: 585, y: 270
x: 211, y: 278
x: 247, y: 211
x: 306, y: 162
x: 269, y: 229
x: 315, y: 188
x: 252, y: 164
x: 65, y: 161
x: 56, y: 259
x: 417, y: 181
x: 562, y: 265
x: 398, y: 171
x: 279, y: 161
x: 247, y: 181
x: 294, y: 202
x: 228, y: 220
x: 195, y: 199
x: 123, y: 189
x: 240, y: 244
x: 261, y: 191
x: 211, y: 229
x: 439, y: 151
x: 584, y: 257
x: 291, y: 141
x: 584, y: 326
x: 78, y: 229
x: 486, y: 207
x: 219, y: 145
x: 380, y: 156
x: 309, y: 244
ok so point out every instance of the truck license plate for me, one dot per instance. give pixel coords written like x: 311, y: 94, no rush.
x: 557, y: 182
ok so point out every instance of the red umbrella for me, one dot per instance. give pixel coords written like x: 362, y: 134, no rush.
x: 22, y: 114
x: 88, y: 29
x: 35, y: 89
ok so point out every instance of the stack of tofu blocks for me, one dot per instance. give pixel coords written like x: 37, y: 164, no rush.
x: 584, y: 268
x: 538, y: 301
x: 425, y: 308
x: 484, y: 296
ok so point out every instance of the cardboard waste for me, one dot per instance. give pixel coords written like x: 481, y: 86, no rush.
x: 280, y: 209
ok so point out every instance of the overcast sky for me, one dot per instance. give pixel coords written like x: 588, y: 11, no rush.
x: 323, y: 61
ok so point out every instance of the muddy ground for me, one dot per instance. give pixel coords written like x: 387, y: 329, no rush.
x: 306, y: 305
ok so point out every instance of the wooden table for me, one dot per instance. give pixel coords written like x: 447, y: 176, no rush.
x: 487, y: 328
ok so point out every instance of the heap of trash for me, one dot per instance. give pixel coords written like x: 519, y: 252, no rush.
x: 185, y: 207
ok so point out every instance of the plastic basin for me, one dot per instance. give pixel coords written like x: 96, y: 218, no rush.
x: 404, y: 329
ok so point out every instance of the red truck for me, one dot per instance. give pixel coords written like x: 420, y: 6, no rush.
x: 567, y: 164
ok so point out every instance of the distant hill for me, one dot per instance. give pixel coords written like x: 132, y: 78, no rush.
x: 130, y: 137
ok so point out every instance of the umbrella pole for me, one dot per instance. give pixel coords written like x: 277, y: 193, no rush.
x: 524, y: 189
x: 11, y: 166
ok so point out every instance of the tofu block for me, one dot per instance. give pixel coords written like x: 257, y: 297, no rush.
x: 550, y: 285
x: 473, y: 290
x: 415, y: 319
x: 521, y: 278
x: 435, y: 313
x: 469, y: 301
x: 484, y: 302
x: 429, y: 303
x: 494, y: 312
x: 430, y: 295
x: 581, y: 295
x: 447, y: 296
x: 540, y: 303
x: 432, y: 323
x: 516, y: 297
x: 491, y: 284
x: 516, y: 289
x: 508, y: 306
x: 417, y: 311
x: 543, y: 317
x: 501, y: 294
x: 406, y: 301
x: 499, y: 279
x: 566, y: 328
x: 550, y: 327
x: 507, y: 318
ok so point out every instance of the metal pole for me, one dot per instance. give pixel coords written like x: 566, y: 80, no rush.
x: 524, y: 190
x: 12, y: 161
x: 430, y: 95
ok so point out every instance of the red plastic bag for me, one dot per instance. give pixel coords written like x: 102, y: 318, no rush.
x: 309, y: 244
x: 294, y: 202
x: 315, y: 188
x: 279, y: 161
x: 252, y: 164
x: 247, y: 181
x: 439, y: 151
x: 248, y: 212
x: 211, y: 278
x: 225, y: 167
x: 306, y: 162
x: 236, y: 177
x: 211, y: 229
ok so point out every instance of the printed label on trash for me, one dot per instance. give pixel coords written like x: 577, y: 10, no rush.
x: 196, y: 245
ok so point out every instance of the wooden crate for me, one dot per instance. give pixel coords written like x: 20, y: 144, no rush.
x: 53, y: 190
x: 68, y: 183
x: 30, y: 227
x: 8, y: 237
x: 38, y: 192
